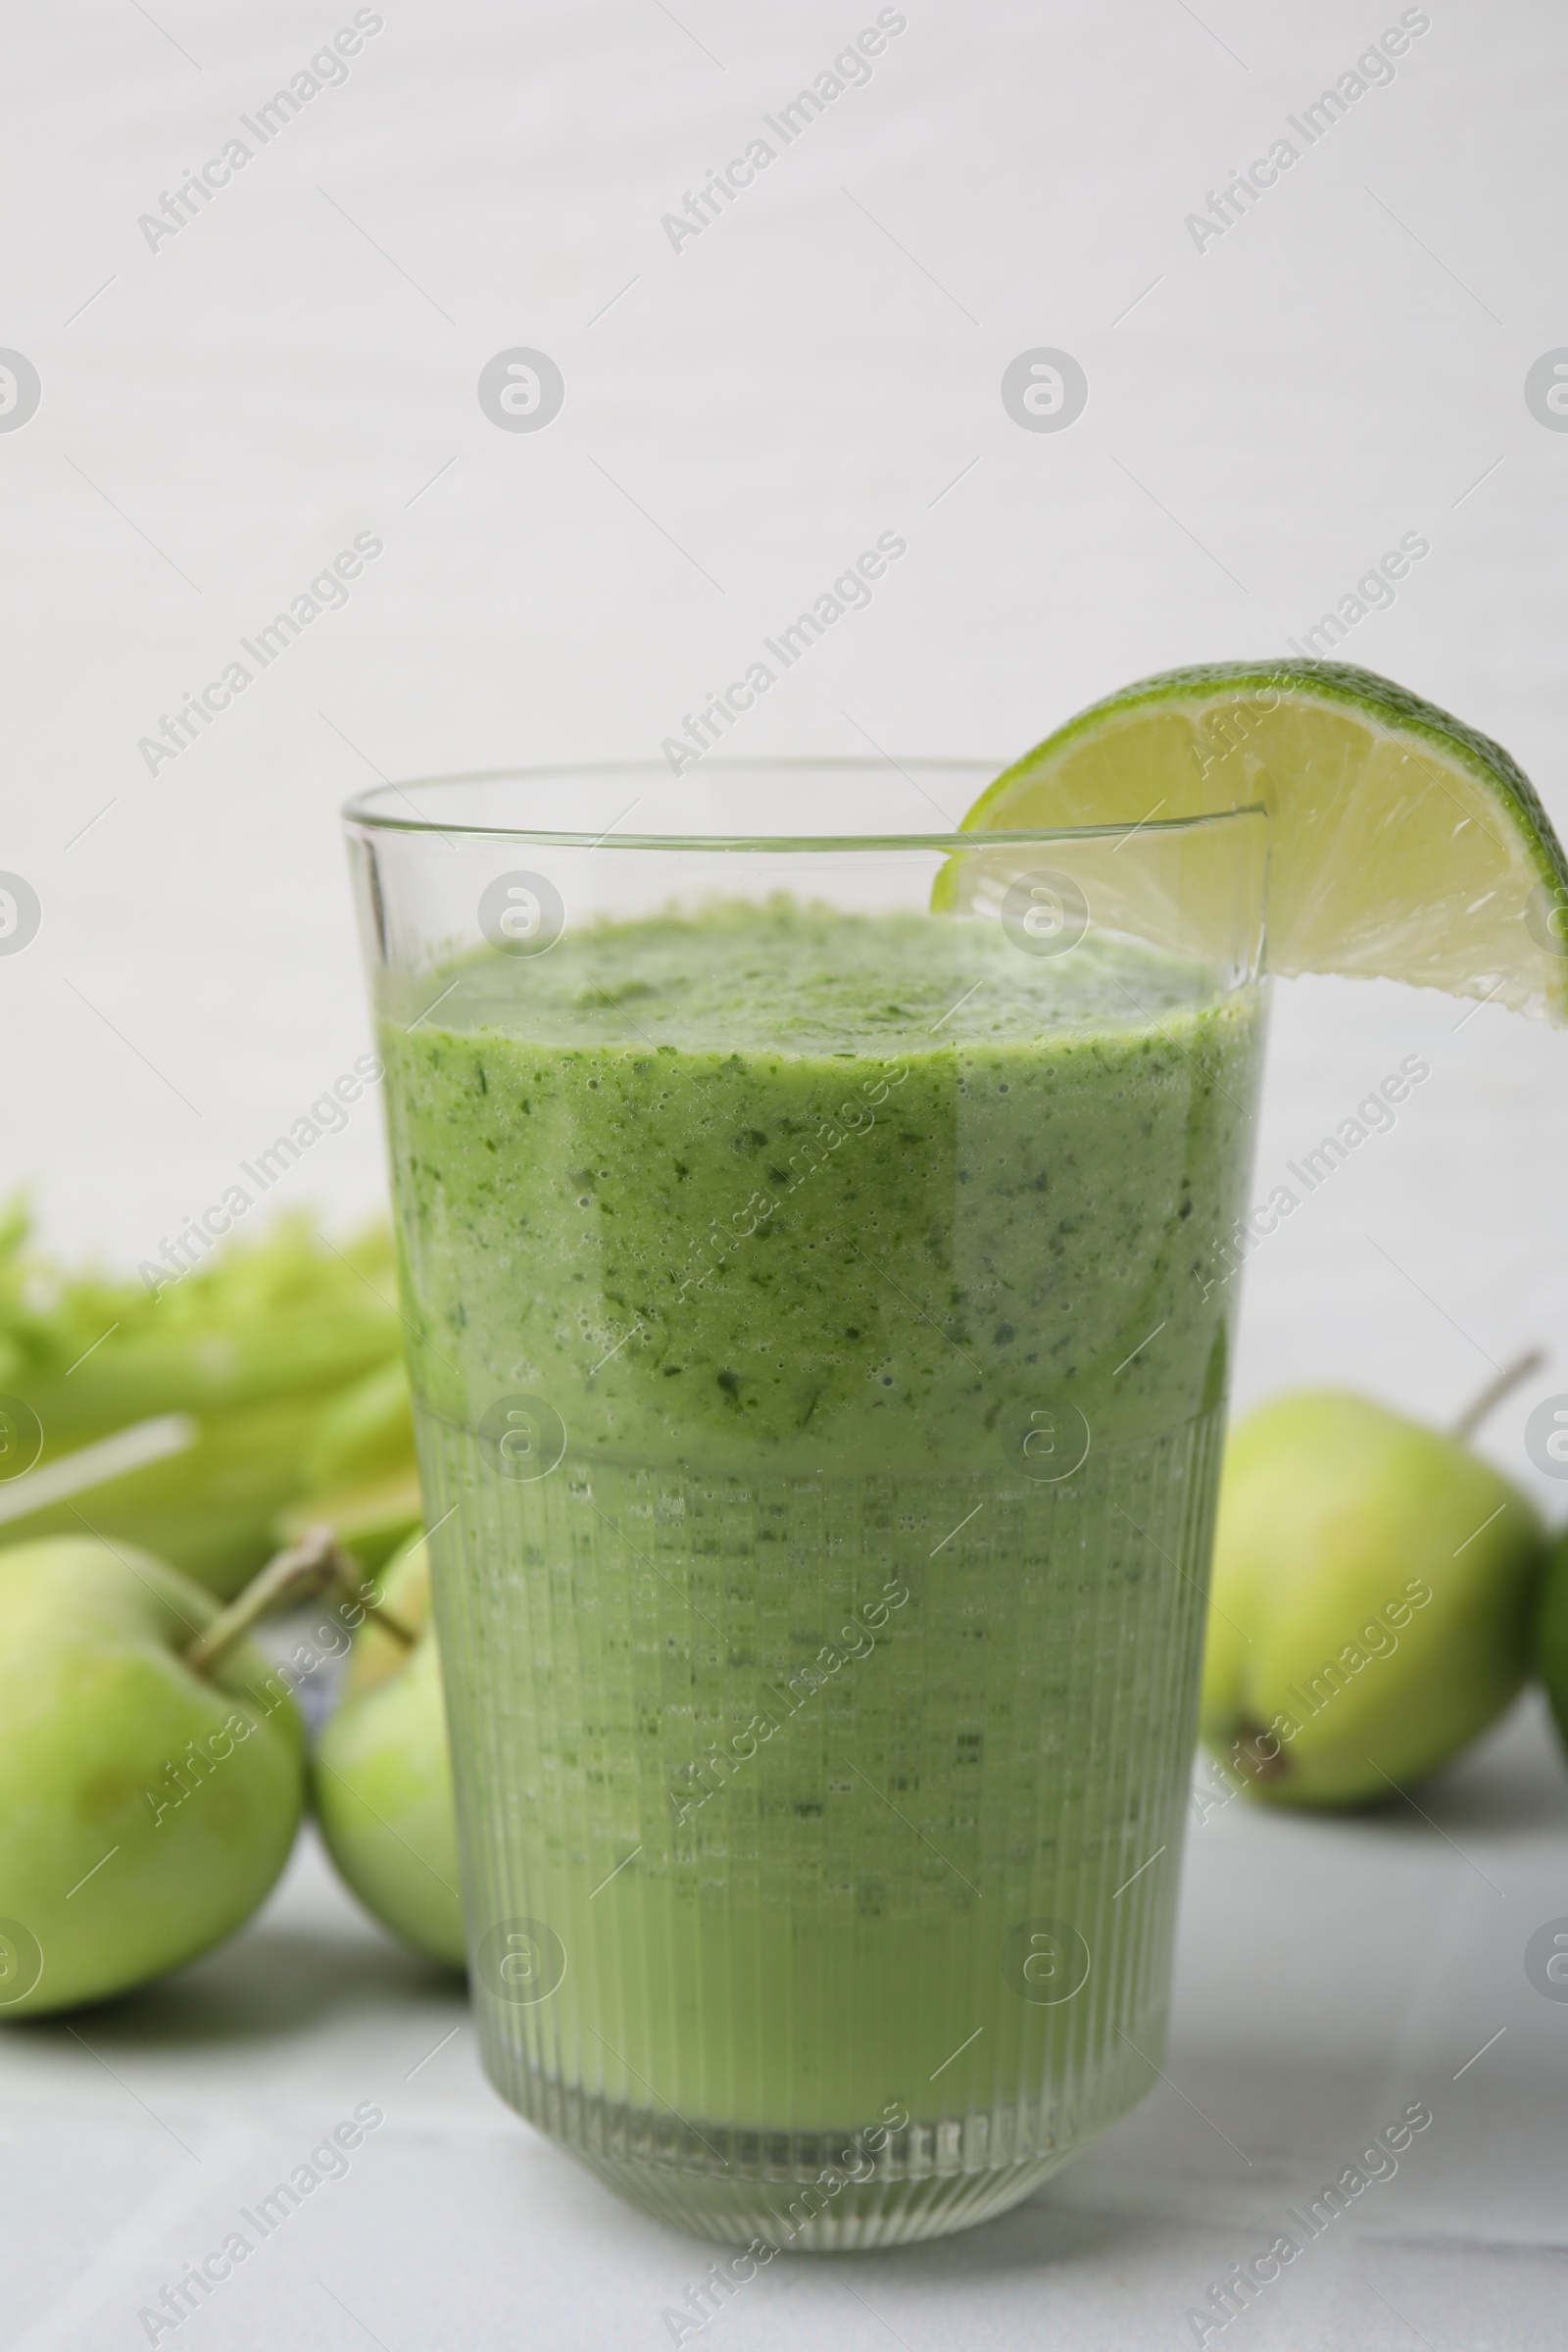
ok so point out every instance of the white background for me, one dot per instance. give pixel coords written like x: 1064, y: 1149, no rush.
x: 1274, y: 412
x: 1266, y: 418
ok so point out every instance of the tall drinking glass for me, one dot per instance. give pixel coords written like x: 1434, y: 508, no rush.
x: 810, y: 1234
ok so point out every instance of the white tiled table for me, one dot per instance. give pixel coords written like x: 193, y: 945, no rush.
x: 1329, y: 1974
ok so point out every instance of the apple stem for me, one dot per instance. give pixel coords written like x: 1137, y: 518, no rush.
x: 1493, y: 1394
x: 313, y: 1565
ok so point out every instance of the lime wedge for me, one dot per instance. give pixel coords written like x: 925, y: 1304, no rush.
x: 1403, y: 844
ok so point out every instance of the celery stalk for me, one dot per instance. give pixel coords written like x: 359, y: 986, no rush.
x: 261, y: 1346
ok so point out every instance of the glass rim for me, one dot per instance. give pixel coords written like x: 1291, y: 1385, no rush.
x: 371, y: 810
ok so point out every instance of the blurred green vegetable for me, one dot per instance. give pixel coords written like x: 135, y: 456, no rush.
x: 360, y: 1470
x: 1549, y: 1634
x: 284, y: 1351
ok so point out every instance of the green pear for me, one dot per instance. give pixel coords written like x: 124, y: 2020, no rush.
x: 1549, y: 1634
x: 145, y: 1808
x: 381, y: 1778
x: 1371, y: 1600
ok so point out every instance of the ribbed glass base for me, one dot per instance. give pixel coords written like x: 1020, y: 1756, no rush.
x: 821, y: 1834
x: 814, y: 2192
x: 852, y: 2220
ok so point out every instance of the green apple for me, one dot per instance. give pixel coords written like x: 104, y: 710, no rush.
x: 145, y: 1808
x: 1371, y: 1600
x: 381, y: 1778
x: 1549, y: 1634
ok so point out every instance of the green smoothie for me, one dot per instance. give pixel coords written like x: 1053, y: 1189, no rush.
x: 817, y: 1348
